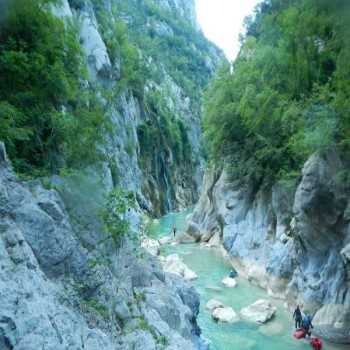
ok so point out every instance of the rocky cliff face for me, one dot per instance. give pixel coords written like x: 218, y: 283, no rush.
x: 154, y: 150
x: 292, y: 240
x: 59, y: 294
x: 185, y: 9
x: 62, y: 286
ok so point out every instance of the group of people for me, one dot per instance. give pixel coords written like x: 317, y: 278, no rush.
x: 302, y: 322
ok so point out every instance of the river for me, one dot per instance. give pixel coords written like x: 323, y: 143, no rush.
x: 211, y: 268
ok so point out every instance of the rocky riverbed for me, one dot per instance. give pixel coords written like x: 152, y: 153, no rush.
x: 211, y: 266
x: 292, y: 240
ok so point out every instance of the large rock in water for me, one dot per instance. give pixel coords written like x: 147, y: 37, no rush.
x: 173, y: 264
x: 332, y: 322
x: 229, y: 282
x: 260, y: 312
x: 225, y: 314
x: 213, y: 304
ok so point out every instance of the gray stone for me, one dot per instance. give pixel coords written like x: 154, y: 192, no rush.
x: 260, y: 312
x: 122, y: 311
x: 55, y: 295
x: 225, y: 314
x: 61, y: 288
x: 213, y: 304
x: 291, y: 241
x: 332, y: 322
x: 174, y: 265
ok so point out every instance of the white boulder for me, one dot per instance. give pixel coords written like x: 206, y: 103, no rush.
x: 62, y: 9
x: 333, y: 322
x: 225, y: 314
x: 152, y: 246
x: 229, y: 282
x: 213, y: 304
x: 260, y: 312
x: 173, y: 264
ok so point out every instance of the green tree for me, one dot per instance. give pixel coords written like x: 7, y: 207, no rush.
x: 113, y: 215
x: 286, y: 95
x: 47, y: 120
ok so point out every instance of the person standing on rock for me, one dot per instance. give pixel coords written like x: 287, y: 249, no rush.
x: 297, y: 316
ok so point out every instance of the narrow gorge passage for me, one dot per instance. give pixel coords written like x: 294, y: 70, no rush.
x: 211, y: 267
x: 117, y: 112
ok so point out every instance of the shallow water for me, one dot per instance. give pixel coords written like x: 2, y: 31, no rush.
x: 211, y: 267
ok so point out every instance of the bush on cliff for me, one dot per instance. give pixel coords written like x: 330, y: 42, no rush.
x: 113, y: 215
x: 47, y: 119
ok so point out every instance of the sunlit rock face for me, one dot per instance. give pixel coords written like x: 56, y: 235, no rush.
x: 291, y: 240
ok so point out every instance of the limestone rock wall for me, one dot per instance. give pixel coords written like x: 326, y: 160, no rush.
x: 291, y: 240
x: 60, y: 286
x: 57, y: 294
x: 160, y: 185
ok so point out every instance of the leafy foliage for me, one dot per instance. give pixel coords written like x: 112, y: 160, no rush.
x: 121, y: 51
x: 113, y: 215
x: 172, y: 42
x: 47, y: 119
x: 287, y: 94
x: 163, y: 131
x: 98, y: 307
x: 163, y: 340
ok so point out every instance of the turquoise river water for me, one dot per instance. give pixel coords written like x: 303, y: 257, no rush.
x: 211, y: 268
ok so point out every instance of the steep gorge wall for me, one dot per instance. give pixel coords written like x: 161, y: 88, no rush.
x: 292, y: 240
x: 58, y: 292
x: 62, y: 285
x: 141, y: 153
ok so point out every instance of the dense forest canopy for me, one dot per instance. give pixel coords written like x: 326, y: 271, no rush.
x: 287, y: 94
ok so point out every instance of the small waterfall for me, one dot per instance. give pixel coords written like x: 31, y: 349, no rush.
x: 167, y: 192
x: 163, y: 177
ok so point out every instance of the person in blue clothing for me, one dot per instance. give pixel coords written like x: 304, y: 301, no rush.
x: 233, y: 273
x: 297, y: 316
x: 306, y: 324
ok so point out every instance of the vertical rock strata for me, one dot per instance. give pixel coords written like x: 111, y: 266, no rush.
x: 60, y: 287
x: 57, y: 294
x: 164, y: 170
x: 292, y: 240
